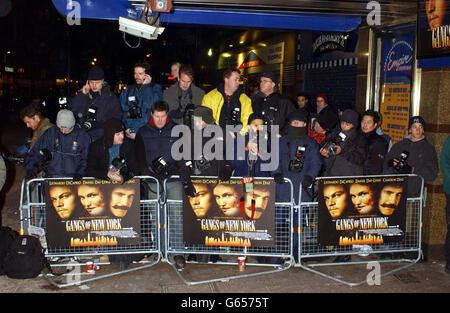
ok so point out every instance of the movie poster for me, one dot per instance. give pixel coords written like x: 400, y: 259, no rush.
x: 214, y: 216
x: 92, y: 213
x: 433, y: 28
x: 365, y: 210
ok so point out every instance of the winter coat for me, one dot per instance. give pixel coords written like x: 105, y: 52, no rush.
x: 422, y: 159
x: 107, y: 104
x: 45, y: 124
x: 274, y: 108
x: 215, y: 101
x: 69, y: 152
x: 311, y: 167
x: 152, y: 143
x: 144, y: 97
x: 350, y: 162
x: 99, y: 160
x: 445, y: 164
x: 177, y: 103
x: 377, y: 148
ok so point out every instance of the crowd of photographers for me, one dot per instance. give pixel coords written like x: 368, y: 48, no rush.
x: 109, y: 137
x: 115, y: 138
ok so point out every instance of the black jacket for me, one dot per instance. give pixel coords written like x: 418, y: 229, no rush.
x: 377, y: 148
x: 351, y: 160
x: 98, y: 159
x: 275, y: 108
x: 107, y: 106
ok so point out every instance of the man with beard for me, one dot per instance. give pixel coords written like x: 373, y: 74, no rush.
x: 137, y: 99
x: 261, y: 195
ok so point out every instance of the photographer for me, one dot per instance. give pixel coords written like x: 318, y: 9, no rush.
x: 274, y: 108
x: 137, y: 99
x: 95, y: 103
x: 300, y: 160
x: 113, y: 156
x: 413, y: 155
x: 62, y: 150
x: 344, y: 153
x: 228, y: 102
x: 32, y: 116
x: 183, y: 97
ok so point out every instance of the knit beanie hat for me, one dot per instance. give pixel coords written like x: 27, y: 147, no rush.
x: 270, y: 75
x: 254, y: 116
x: 111, y: 127
x: 205, y: 113
x: 65, y: 119
x: 298, y: 115
x: 327, y: 119
x: 96, y: 73
x: 324, y: 96
x: 416, y: 119
x: 350, y: 116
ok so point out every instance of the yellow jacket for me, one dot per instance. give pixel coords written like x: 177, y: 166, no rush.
x: 214, y: 100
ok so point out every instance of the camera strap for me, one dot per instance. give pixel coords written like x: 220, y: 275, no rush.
x: 248, y: 184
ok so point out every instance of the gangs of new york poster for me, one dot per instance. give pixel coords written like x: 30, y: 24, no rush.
x: 214, y: 216
x: 361, y: 210
x: 92, y: 212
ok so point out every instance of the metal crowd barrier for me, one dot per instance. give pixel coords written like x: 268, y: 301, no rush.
x: 312, y: 255
x: 33, y: 220
x: 280, y: 256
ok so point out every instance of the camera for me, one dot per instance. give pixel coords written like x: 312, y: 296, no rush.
x: 134, y: 111
x: 91, y: 118
x: 160, y: 167
x: 401, y: 162
x: 117, y: 164
x: 235, y: 117
x: 202, y: 164
x: 296, y: 165
x: 188, y: 112
x: 333, y: 142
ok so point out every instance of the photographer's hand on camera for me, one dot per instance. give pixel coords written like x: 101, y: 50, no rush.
x: 115, y: 176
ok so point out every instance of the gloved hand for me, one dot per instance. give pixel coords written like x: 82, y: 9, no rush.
x: 31, y: 174
x: 77, y: 177
x: 307, y: 181
x: 189, y: 188
x: 279, y: 178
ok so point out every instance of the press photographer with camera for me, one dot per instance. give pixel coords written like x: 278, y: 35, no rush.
x: 345, y: 152
x: 33, y: 117
x: 183, y: 97
x: 113, y: 156
x: 228, y: 102
x: 274, y: 108
x: 413, y: 155
x: 95, y: 103
x: 62, y: 150
x: 137, y: 99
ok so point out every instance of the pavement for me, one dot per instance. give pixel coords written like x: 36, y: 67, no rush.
x: 162, y: 278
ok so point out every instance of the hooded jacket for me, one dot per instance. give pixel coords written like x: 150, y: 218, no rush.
x: 107, y: 104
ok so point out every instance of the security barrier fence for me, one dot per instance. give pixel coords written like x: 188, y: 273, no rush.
x: 162, y: 238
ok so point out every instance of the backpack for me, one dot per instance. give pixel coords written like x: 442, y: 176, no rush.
x: 25, y: 258
x: 7, y: 236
